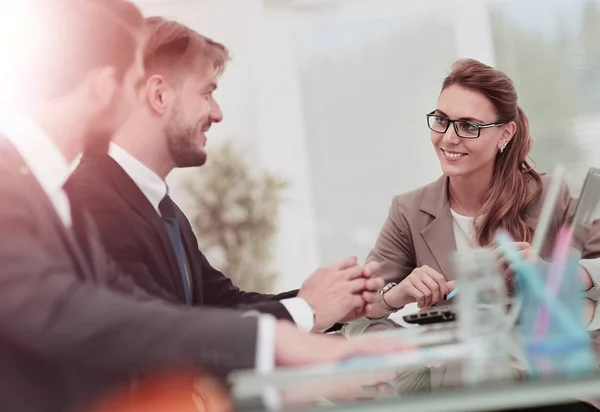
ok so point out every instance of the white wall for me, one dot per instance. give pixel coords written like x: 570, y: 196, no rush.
x: 283, y: 148
x: 472, y: 30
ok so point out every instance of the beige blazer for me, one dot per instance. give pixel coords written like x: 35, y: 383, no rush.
x: 419, y: 231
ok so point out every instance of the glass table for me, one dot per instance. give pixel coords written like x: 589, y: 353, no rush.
x: 437, y: 376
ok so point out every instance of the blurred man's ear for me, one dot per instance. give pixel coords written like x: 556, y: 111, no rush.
x: 102, y: 86
x: 158, y: 93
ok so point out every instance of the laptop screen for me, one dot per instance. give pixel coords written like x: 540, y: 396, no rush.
x: 587, y: 206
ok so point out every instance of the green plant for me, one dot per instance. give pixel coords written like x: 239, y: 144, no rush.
x: 235, y: 213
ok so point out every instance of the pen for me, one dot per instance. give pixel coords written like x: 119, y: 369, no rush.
x: 452, y: 294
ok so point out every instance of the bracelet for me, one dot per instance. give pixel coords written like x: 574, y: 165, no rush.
x: 384, y: 304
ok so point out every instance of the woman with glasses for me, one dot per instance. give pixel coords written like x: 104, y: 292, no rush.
x: 481, y: 137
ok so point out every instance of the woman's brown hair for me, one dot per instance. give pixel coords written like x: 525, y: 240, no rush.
x: 515, y: 184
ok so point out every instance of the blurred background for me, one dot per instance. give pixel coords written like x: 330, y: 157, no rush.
x: 325, y: 101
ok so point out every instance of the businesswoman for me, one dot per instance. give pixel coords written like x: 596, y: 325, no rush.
x: 481, y: 137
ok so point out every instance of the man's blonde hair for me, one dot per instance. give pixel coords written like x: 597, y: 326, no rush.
x: 173, y: 46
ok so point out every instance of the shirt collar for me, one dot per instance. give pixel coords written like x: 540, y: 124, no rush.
x: 38, y: 150
x: 151, y: 185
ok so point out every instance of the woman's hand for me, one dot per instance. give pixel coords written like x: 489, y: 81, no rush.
x: 508, y: 270
x: 424, y: 285
x: 527, y: 252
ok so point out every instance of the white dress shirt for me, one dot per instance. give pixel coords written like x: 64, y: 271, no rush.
x: 155, y: 189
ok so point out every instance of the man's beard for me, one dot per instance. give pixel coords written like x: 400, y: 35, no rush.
x: 182, y: 143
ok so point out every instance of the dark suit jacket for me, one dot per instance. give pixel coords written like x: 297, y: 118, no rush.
x: 72, y: 325
x: 134, y: 234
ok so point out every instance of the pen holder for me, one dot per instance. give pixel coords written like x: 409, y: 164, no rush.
x: 482, y: 316
x: 482, y: 301
x: 554, y: 337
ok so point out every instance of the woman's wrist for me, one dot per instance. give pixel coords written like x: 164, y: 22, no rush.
x: 585, y: 279
x: 393, y: 298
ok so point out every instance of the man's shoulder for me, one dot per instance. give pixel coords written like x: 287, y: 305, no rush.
x: 89, y: 170
x: 90, y: 184
x: 16, y: 180
x: 25, y: 209
x: 103, y: 192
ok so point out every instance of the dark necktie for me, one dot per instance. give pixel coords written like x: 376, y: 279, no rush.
x: 167, y: 212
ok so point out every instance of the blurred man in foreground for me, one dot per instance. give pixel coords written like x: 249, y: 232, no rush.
x: 71, y: 324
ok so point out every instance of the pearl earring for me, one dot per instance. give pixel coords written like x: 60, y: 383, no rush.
x: 502, y: 147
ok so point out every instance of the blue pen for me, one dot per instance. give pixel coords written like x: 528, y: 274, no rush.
x: 452, y: 294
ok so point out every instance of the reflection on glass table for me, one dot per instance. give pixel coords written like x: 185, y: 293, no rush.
x: 433, y: 377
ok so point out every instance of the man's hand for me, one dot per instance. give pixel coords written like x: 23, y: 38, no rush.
x: 334, y: 292
x: 372, y: 286
x: 294, y: 347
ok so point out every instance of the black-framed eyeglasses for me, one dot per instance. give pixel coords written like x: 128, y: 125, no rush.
x: 463, y: 128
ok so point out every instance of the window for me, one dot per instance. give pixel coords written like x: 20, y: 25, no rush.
x: 551, y: 50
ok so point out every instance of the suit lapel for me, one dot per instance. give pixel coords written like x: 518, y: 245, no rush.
x: 439, y: 233
x: 69, y: 239
x: 66, y: 235
x: 129, y: 191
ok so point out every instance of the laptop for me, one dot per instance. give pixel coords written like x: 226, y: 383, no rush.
x: 444, y: 311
